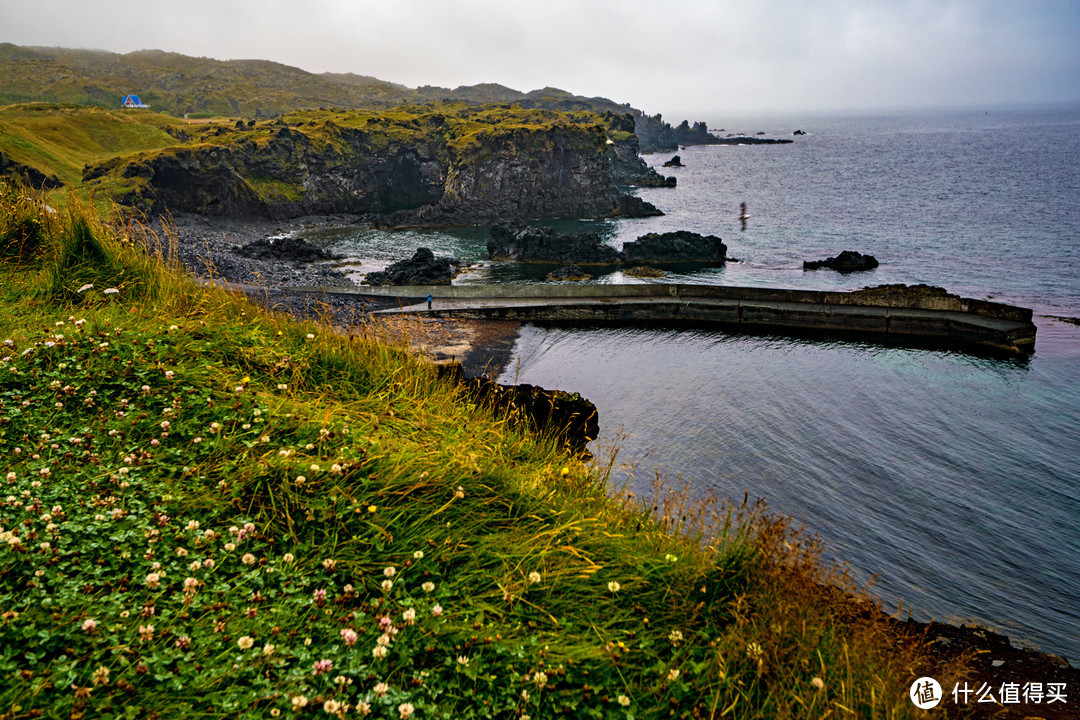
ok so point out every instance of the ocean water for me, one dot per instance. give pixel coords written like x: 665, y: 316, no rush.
x: 951, y: 481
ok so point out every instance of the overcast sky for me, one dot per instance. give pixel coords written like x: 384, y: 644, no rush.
x: 685, y: 58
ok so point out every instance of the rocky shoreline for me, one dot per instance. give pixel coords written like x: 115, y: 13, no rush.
x: 205, y: 246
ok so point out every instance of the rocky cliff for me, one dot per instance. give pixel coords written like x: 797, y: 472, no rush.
x: 419, y: 166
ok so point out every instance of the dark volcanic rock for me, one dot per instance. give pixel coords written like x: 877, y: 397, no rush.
x: 568, y: 273
x: 531, y: 244
x: 634, y: 207
x: 541, y: 244
x: 847, y: 261
x: 675, y: 161
x: 423, y: 268
x: 291, y: 249
x: 680, y: 246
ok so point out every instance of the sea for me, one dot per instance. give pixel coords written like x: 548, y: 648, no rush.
x: 948, y: 483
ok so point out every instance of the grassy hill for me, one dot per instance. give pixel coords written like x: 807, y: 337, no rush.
x: 212, y: 511
x: 178, y: 85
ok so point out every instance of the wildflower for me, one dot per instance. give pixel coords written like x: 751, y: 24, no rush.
x: 101, y: 675
x: 300, y: 479
x: 282, y: 386
x: 268, y: 650
x: 248, y: 559
x: 818, y: 683
x: 314, y: 468
x: 405, y: 711
x: 183, y: 642
x: 275, y: 712
x: 190, y: 585
x: 349, y: 636
x: 153, y: 581
x: 624, y: 701
x: 387, y: 585
x: 409, y: 616
x: 11, y: 477
x: 676, y: 637
x: 534, y: 577
x: 195, y: 566
x: 146, y: 632
x: 363, y: 708
x: 299, y: 702
x: 462, y: 660
x: 754, y: 651
x: 288, y: 558
x: 229, y: 547
x: 565, y: 471
x: 459, y: 493
x: 215, y: 427
x: 385, y: 623
x: 89, y: 625
x: 331, y: 706
x: 169, y: 374
x: 322, y: 666
x: 671, y: 558
x: 428, y: 587
x: 319, y: 597
x: 613, y: 586
x: 329, y: 563
x: 208, y: 563
x: 380, y: 689
x: 246, y: 642
x: 383, y: 640
x: 673, y: 674
x: 540, y: 679
x: 437, y: 610
x: 310, y: 336
x: 379, y: 652
x: 192, y: 525
x: 389, y: 572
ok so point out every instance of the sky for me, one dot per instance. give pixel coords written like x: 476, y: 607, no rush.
x: 682, y: 58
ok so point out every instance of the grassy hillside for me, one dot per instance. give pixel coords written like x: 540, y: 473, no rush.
x: 178, y: 84
x: 210, y: 511
x: 61, y: 140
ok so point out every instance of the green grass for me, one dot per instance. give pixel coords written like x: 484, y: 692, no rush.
x: 211, y: 511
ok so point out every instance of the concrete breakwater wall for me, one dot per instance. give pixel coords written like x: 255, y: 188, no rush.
x: 898, y: 313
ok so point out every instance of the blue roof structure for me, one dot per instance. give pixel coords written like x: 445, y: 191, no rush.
x: 132, y: 101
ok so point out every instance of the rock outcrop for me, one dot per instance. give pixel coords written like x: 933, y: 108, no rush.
x: 423, y: 268
x: 675, y: 161
x: 526, y: 243
x: 543, y: 245
x: 675, y: 247
x: 423, y: 169
x: 845, y: 262
x: 288, y: 248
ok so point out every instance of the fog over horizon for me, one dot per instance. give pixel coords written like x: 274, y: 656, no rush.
x: 691, y: 59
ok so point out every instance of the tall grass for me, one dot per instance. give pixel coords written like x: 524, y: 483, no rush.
x: 213, y: 511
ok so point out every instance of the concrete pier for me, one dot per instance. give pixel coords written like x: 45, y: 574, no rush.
x: 917, y: 315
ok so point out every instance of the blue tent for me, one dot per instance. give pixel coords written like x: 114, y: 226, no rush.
x: 132, y: 101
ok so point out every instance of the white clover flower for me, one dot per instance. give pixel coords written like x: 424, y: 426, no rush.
x: 380, y: 689
x: 534, y: 577
x: 624, y: 701
x: 246, y: 642
x: 409, y: 616
x: 673, y: 674
x: 379, y: 652
x: 418, y: 555
x: 437, y: 610
x: 299, y: 702
x: 389, y: 572
x: 387, y: 585
x: 288, y: 558
x: 248, y: 559
x: 428, y: 587
x: 405, y: 711
x: 613, y: 586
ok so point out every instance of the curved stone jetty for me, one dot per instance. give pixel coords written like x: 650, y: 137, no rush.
x: 915, y: 315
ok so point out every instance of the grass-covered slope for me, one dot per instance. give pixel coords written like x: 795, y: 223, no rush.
x: 179, y: 84
x: 209, y: 511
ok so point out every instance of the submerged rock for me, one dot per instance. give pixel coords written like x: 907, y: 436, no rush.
x: 675, y: 161
x: 423, y: 268
x: 847, y: 261
x: 568, y: 273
